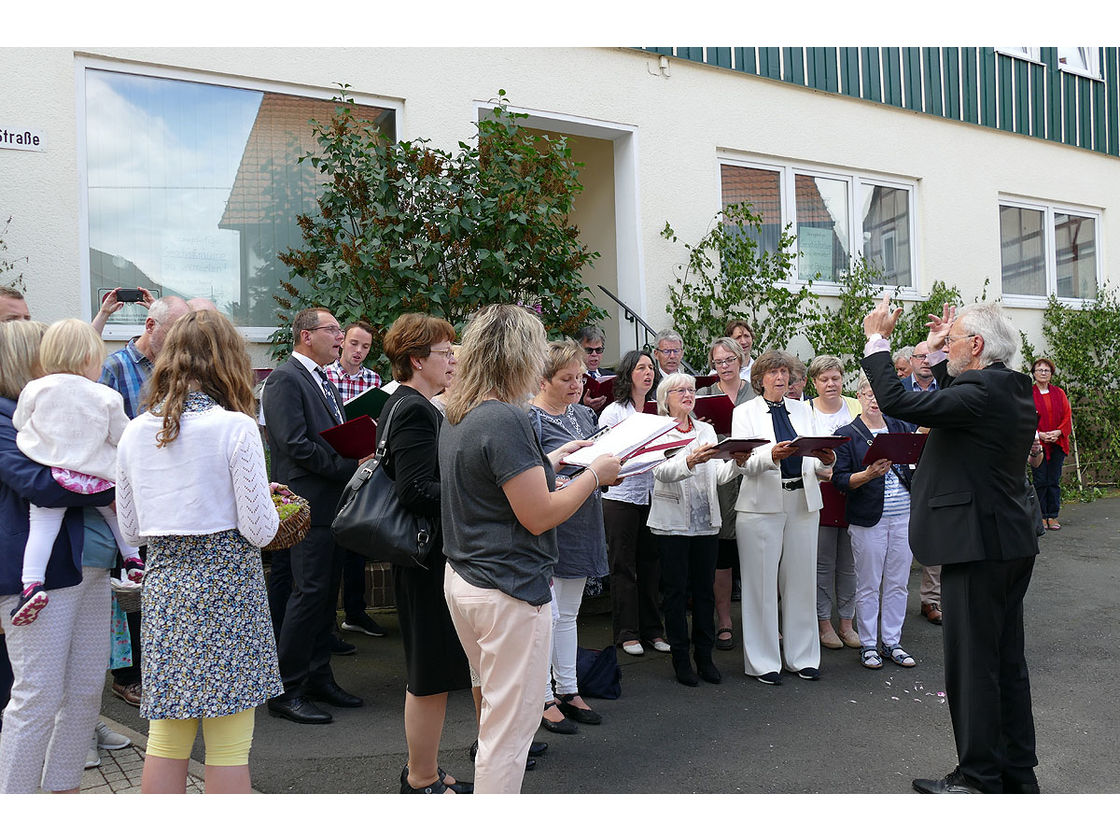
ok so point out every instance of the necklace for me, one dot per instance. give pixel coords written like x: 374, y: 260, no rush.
x: 566, y: 421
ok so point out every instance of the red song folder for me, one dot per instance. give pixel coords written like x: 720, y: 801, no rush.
x: 355, y: 438
x: 900, y: 447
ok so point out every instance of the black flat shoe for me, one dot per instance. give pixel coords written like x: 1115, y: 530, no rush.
x: 460, y: 787
x: 588, y: 716
x: 333, y: 694
x: 772, y: 678
x: 435, y: 787
x: 682, y: 666
x: 536, y: 748
x: 562, y: 727
x: 297, y: 709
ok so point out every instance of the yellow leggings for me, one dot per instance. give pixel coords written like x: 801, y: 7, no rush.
x: 227, y: 738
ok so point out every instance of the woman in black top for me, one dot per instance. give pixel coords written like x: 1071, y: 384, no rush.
x: 419, y: 349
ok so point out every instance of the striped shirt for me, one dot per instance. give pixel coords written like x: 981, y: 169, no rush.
x: 125, y: 372
x: 350, y: 386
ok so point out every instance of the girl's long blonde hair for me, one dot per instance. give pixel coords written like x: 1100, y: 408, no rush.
x: 202, y: 352
x: 504, y: 352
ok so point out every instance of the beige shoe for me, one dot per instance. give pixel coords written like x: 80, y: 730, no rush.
x: 830, y: 640
x: 850, y: 638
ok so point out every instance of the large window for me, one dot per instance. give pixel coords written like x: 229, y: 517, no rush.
x: 193, y: 188
x: 835, y: 216
x: 1047, y: 250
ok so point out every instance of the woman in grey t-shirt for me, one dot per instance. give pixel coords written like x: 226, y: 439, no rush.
x: 499, y: 512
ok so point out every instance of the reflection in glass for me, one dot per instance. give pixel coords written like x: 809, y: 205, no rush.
x: 1022, y: 251
x: 762, y: 188
x: 194, y: 188
x: 886, y: 232
x: 1075, y: 246
x: 822, y: 228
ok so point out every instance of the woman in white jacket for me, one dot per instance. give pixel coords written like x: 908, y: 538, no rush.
x: 778, y: 512
x: 192, y: 485
x: 685, y: 519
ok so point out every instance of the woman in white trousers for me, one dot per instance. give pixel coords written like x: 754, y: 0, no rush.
x: 778, y: 512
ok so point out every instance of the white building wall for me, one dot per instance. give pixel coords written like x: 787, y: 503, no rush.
x: 682, y: 122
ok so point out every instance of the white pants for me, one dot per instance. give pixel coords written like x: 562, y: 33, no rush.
x: 567, y: 594
x: 59, y: 662
x: 507, y: 643
x: 43, y: 527
x: 778, y: 554
x: 882, y: 555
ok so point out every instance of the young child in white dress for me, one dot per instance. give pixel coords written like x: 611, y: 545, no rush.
x: 69, y: 422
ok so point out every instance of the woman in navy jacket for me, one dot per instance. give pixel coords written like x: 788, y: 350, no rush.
x: 878, y: 511
x: 58, y: 661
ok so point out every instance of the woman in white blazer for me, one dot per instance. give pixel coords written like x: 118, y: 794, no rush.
x: 685, y: 519
x: 776, y: 527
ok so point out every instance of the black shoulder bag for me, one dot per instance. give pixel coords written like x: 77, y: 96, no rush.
x: 372, y: 522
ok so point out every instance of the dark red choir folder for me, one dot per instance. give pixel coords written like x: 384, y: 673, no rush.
x: 355, y: 438
x: 603, y: 387
x: 807, y: 443
x: 729, y: 447
x: 900, y: 447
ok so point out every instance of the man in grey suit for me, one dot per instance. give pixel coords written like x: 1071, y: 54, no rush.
x: 971, y: 513
x: 300, y: 402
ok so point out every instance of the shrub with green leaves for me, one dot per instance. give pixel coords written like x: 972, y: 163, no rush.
x: 407, y: 227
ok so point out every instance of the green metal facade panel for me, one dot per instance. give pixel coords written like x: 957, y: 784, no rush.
x: 1111, y: 83
x: 1034, y: 98
x: 849, y: 71
x: 951, y: 83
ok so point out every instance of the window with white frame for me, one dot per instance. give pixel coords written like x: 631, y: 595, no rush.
x: 1082, y: 60
x: 193, y: 188
x: 1048, y: 250
x: 835, y: 216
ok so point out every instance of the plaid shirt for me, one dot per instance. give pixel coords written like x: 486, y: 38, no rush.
x: 126, y: 371
x: 350, y: 386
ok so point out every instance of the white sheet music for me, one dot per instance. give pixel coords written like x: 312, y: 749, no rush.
x: 623, y: 438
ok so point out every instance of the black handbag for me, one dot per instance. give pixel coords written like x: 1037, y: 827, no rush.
x: 372, y: 522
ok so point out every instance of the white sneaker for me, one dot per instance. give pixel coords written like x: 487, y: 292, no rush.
x: 93, y: 758
x: 660, y: 645
x: 107, y: 739
x: 633, y: 647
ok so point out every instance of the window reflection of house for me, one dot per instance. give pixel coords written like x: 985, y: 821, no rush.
x: 271, y: 189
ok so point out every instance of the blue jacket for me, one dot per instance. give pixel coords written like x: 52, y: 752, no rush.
x: 865, y: 503
x: 23, y: 481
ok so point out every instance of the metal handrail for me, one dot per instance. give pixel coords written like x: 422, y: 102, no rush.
x: 638, y: 321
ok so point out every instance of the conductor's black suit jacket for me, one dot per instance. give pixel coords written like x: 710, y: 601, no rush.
x: 295, y: 412
x: 969, y: 499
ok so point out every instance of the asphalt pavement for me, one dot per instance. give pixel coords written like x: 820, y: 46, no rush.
x: 854, y: 731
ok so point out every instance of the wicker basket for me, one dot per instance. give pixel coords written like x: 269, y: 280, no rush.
x: 129, y: 599
x: 293, y: 529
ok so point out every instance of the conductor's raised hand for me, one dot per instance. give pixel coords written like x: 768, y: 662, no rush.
x: 882, y: 318
x: 939, y: 326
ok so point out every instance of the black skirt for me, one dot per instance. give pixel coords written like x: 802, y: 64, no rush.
x: 432, y: 651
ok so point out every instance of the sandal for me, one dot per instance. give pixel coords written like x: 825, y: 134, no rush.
x: 1055, y: 525
x: 869, y: 658
x: 725, y: 644
x: 900, y: 657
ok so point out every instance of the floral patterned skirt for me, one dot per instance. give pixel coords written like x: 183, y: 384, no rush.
x: 206, y: 639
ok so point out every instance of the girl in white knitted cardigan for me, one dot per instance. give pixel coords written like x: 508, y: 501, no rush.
x: 69, y: 422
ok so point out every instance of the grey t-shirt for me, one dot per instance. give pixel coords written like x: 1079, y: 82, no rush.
x: 483, y: 541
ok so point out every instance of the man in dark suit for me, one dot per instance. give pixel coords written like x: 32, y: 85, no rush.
x: 300, y: 402
x: 971, y: 513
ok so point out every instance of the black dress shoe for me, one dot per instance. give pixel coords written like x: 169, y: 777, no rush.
x: 1012, y: 786
x: 341, y: 648
x: 955, y: 782
x: 297, y: 709
x: 536, y: 748
x: 334, y: 695
x: 708, y: 671
x: 579, y: 715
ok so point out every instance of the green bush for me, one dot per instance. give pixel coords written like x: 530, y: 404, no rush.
x: 406, y: 227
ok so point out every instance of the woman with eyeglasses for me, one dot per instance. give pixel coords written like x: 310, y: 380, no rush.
x: 685, y: 518
x: 778, y: 512
x: 728, y: 359
x: 1055, y: 425
x: 631, y: 550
